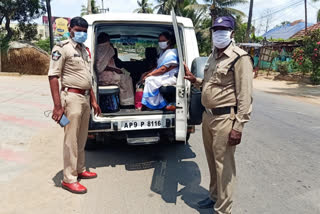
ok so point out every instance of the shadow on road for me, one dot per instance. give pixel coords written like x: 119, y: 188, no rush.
x: 170, y: 164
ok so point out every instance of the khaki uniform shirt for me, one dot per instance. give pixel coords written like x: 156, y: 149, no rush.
x: 222, y: 86
x: 70, y: 61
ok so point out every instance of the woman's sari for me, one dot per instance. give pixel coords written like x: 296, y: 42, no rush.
x: 151, y: 94
x: 105, y: 53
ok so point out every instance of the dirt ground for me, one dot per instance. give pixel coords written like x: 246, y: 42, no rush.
x: 300, y: 91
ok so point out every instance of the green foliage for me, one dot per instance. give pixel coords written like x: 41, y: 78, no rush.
x: 307, y: 57
x: 44, y: 44
x: 301, y: 61
x: 274, y: 54
x: 240, y: 31
x: 94, y: 8
x: 144, y: 7
x: 224, y: 7
x: 28, y: 32
x: 255, y: 38
x: 22, y: 11
x: 283, y: 67
x: 165, y: 6
x: 311, y: 47
x: 315, y: 77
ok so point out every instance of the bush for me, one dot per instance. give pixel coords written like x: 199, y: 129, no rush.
x: 311, y: 49
x: 44, y: 45
x: 283, y: 67
x: 315, y: 77
x: 301, y: 62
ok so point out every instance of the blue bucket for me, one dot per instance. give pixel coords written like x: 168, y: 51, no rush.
x: 109, y: 100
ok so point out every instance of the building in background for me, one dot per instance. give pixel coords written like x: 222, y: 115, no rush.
x: 286, y: 31
x: 43, y: 30
x: 301, y: 33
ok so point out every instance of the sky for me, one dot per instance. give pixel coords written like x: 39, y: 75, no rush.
x: 281, y: 10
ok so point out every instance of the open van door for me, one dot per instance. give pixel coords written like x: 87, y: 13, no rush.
x: 181, y: 93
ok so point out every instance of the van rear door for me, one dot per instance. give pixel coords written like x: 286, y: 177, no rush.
x: 181, y: 93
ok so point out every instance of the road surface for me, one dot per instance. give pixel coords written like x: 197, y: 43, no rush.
x: 277, y: 163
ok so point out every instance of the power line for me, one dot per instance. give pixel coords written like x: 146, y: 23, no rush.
x: 279, y: 10
x: 312, y: 5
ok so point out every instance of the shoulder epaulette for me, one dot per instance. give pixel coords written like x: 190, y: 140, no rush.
x: 62, y: 43
x: 239, y: 51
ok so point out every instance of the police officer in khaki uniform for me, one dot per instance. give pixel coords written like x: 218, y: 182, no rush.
x: 71, y: 63
x: 227, y: 98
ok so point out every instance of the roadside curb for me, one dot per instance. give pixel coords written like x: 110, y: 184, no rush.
x: 10, y: 74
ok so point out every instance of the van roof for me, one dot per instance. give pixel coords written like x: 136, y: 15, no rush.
x: 136, y: 17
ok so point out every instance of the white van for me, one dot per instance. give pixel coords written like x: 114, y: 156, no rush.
x: 131, y: 34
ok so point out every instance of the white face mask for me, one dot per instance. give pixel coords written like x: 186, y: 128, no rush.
x: 221, y: 38
x: 163, y: 45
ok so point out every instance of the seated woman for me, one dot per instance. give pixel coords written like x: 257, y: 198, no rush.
x: 110, y: 74
x: 164, y: 74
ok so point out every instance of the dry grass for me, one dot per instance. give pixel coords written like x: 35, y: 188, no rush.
x: 26, y: 60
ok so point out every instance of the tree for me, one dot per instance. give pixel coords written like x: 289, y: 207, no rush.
x: 22, y: 11
x: 94, y: 8
x: 165, y: 6
x: 284, y: 23
x: 144, y: 7
x: 318, y: 16
x: 222, y: 7
x: 28, y: 32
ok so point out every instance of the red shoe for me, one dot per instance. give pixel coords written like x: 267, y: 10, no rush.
x: 171, y: 107
x: 75, y: 187
x: 87, y: 175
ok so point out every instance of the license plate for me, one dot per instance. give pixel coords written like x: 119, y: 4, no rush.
x: 141, y: 124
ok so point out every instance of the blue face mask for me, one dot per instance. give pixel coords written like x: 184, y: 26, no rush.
x: 80, y: 37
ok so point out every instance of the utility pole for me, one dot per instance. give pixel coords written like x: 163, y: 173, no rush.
x: 50, y: 23
x: 306, y: 17
x: 249, y: 21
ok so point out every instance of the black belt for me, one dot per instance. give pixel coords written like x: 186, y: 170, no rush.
x: 223, y: 110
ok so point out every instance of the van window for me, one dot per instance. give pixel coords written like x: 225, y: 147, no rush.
x: 132, y: 39
x: 133, y: 48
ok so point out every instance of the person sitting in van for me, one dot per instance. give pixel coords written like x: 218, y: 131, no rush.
x: 110, y: 74
x: 163, y: 75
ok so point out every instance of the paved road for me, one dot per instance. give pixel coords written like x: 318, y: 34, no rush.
x: 278, y: 164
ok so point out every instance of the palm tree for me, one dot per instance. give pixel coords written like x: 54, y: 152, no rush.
x: 95, y: 9
x: 221, y: 7
x: 144, y: 7
x: 165, y: 6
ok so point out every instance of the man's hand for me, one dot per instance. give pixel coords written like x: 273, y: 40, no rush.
x: 189, y: 76
x: 96, y: 108
x: 57, y: 113
x: 234, y: 138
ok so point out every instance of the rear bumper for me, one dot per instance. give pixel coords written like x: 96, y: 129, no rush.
x: 115, y: 124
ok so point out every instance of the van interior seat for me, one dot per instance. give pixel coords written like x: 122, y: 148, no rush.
x: 168, y: 93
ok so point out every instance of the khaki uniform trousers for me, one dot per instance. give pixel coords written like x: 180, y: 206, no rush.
x: 220, y: 157
x: 77, y: 110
